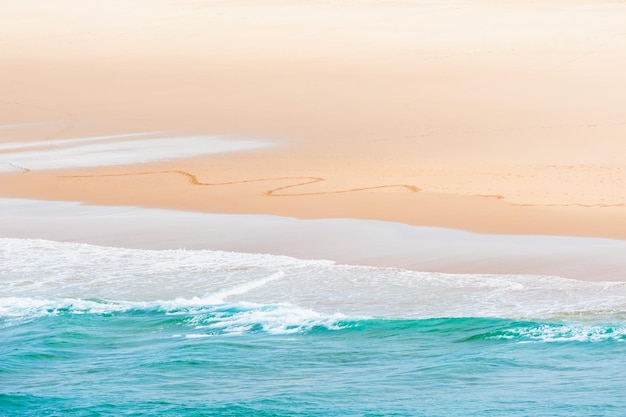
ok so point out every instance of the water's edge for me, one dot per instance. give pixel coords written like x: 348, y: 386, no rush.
x: 349, y: 241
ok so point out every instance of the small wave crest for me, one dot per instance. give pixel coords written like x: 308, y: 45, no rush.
x: 197, y: 317
x: 551, y: 333
x: 273, y: 319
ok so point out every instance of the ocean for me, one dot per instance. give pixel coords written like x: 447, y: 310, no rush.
x: 96, y: 331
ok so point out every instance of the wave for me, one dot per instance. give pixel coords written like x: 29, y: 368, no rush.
x: 194, y: 318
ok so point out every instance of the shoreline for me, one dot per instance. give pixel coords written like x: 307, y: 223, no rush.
x: 345, y: 241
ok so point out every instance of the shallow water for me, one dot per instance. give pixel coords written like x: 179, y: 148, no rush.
x: 120, y: 149
x: 91, y: 330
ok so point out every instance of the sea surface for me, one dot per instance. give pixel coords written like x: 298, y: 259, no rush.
x: 97, y: 331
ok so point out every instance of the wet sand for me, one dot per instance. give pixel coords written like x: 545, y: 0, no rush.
x: 346, y: 241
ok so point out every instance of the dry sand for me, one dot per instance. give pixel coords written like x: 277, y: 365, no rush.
x: 497, y: 117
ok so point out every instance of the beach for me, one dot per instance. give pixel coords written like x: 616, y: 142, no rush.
x: 369, y: 207
x: 400, y: 112
x: 491, y: 118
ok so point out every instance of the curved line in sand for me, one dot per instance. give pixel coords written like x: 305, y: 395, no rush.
x: 274, y: 192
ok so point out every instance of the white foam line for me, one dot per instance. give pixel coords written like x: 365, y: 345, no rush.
x: 220, y: 297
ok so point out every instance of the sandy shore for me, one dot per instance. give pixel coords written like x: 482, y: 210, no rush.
x: 505, y: 117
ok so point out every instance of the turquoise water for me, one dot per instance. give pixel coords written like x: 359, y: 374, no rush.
x: 90, y: 331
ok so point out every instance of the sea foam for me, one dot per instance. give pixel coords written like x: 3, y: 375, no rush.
x: 172, y: 279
